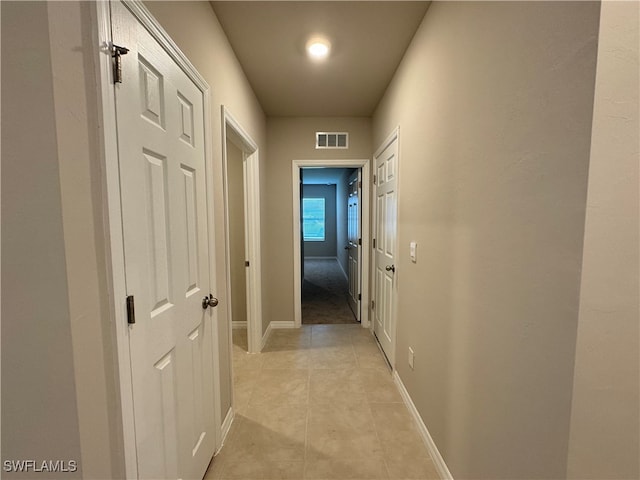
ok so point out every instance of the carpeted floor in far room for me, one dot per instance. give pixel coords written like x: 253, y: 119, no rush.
x: 325, y: 290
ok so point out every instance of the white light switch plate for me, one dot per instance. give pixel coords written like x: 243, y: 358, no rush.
x: 413, y: 247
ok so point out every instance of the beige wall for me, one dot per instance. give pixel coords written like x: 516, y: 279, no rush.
x: 197, y: 32
x: 235, y: 182
x: 604, y: 418
x: 291, y: 139
x: 36, y: 335
x: 82, y: 193
x: 494, y: 103
x: 59, y: 394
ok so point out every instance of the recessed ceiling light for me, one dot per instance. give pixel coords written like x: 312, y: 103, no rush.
x: 318, y: 48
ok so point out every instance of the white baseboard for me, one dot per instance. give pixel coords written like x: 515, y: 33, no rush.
x: 265, y: 337
x: 239, y: 324
x: 282, y: 325
x: 226, y: 426
x: 437, y: 459
x: 273, y: 326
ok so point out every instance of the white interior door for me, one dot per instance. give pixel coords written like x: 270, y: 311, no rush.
x: 385, y: 247
x: 160, y: 119
x: 353, y: 234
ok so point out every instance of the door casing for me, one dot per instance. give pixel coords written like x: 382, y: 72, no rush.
x: 113, y: 211
x: 365, y: 165
x: 232, y: 130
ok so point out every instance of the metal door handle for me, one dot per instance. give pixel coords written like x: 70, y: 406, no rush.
x: 347, y: 247
x: 390, y: 268
x: 209, y: 301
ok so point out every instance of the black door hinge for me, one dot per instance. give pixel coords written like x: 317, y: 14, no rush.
x: 131, y: 310
x: 374, y: 179
x: 373, y: 304
x: 246, y: 263
x: 359, y: 296
x: 359, y: 241
x: 374, y: 243
x: 116, y: 54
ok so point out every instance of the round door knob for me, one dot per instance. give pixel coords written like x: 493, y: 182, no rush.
x: 390, y: 268
x: 209, y: 301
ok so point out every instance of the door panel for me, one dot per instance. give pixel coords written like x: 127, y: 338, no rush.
x: 379, y: 299
x: 160, y: 121
x: 387, y: 307
x: 158, y: 237
x: 191, y: 229
x: 194, y: 354
x: 385, y: 250
x: 390, y: 220
x: 380, y: 213
x: 166, y: 391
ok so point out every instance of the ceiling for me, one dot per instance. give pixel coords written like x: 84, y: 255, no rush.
x: 368, y: 40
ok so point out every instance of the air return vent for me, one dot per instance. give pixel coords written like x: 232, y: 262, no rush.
x: 332, y: 140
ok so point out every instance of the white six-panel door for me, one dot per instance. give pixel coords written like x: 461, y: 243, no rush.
x: 160, y: 125
x: 386, y: 194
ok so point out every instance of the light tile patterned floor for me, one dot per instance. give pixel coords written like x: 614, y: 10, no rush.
x: 318, y: 403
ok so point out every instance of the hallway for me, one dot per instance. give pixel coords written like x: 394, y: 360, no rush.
x: 318, y: 403
x: 324, y: 293
x: 499, y: 207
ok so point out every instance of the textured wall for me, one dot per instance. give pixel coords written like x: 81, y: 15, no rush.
x: 605, y: 414
x: 494, y: 102
x: 294, y: 139
x: 58, y: 384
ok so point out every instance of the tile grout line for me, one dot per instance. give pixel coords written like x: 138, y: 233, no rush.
x: 368, y: 405
x: 306, y: 424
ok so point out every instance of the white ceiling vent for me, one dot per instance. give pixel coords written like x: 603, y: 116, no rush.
x: 332, y: 140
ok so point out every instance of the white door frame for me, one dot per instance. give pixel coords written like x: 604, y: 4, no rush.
x: 395, y: 134
x: 113, y: 211
x: 232, y: 130
x: 365, y: 165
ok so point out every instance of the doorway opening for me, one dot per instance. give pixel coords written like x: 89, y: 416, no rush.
x: 331, y: 231
x: 242, y: 216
